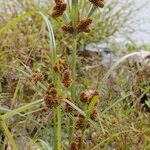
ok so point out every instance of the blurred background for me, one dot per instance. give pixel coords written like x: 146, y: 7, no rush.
x: 138, y: 29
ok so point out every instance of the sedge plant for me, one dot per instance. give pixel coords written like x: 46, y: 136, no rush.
x: 63, y: 79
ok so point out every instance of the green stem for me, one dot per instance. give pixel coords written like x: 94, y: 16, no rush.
x: 9, y: 135
x: 59, y: 128
x: 92, y: 10
x: 73, y: 69
x: 75, y: 19
x: 74, y: 13
x: 73, y: 87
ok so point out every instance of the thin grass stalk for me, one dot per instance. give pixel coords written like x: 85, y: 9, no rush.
x: 57, y: 115
x: 9, y: 135
x: 92, y: 10
x: 75, y: 14
x: 75, y: 18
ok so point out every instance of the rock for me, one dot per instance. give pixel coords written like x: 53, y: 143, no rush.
x: 107, y: 57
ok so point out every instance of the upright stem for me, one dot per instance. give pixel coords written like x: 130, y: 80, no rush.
x: 74, y: 14
x: 58, y: 128
x: 73, y: 65
x: 74, y: 51
x: 73, y: 87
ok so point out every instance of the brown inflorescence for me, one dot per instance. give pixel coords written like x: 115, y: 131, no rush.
x: 99, y: 3
x: 51, y: 98
x: 59, y: 66
x: 52, y: 92
x: 51, y: 101
x: 37, y: 77
x: 83, y: 25
x: 80, y: 122
x: 84, y: 97
x: 66, y: 78
x: 73, y: 146
x: 68, y: 28
x: 78, y: 142
x: 59, y: 8
x: 94, y: 114
x: 87, y: 96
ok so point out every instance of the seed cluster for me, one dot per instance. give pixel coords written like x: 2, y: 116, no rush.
x: 68, y: 28
x: 82, y: 26
x: 59, y: 66
x: 37, y: 77
x: 80, y: 122
x: 87, y: 96
x: 99, y: 3
x: 66, y: 78
x: 94, y: 114
x: 59, y: 8
x: 77, y: 141
x: 65, y: 73
x: 51, y: 98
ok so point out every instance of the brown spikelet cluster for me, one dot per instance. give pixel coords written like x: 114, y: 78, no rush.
x: 77, y: 142
x: 51, y: 98
x: 66, y: 78
x: 84, y: 97
x: 99, y: 3
x: 94, y: 114
x: 80, y: 122
x: 82, y: 26
x: 73, y: 146
x: 37, y: 77
x: 59, y: 8
x: 87, y: 96
x: 68, y: 108
x: 68, y: 28
x: 65, y: 73
x: 59, y: 66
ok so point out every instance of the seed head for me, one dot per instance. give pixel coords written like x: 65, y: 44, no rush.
x: 66, y: 78
x: 94, y: 114
x: 59, y: 66
x: 83, y: 25
x: 73, y: 146
x: 52, y: 92
x: 51, y: 101
x: 84, y: 97
x: 80, y: 122
x: 99, y: 3
x: 77, y: 142
x: 59, y: 9
x: 68, y: 28
x: 37, y: 77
